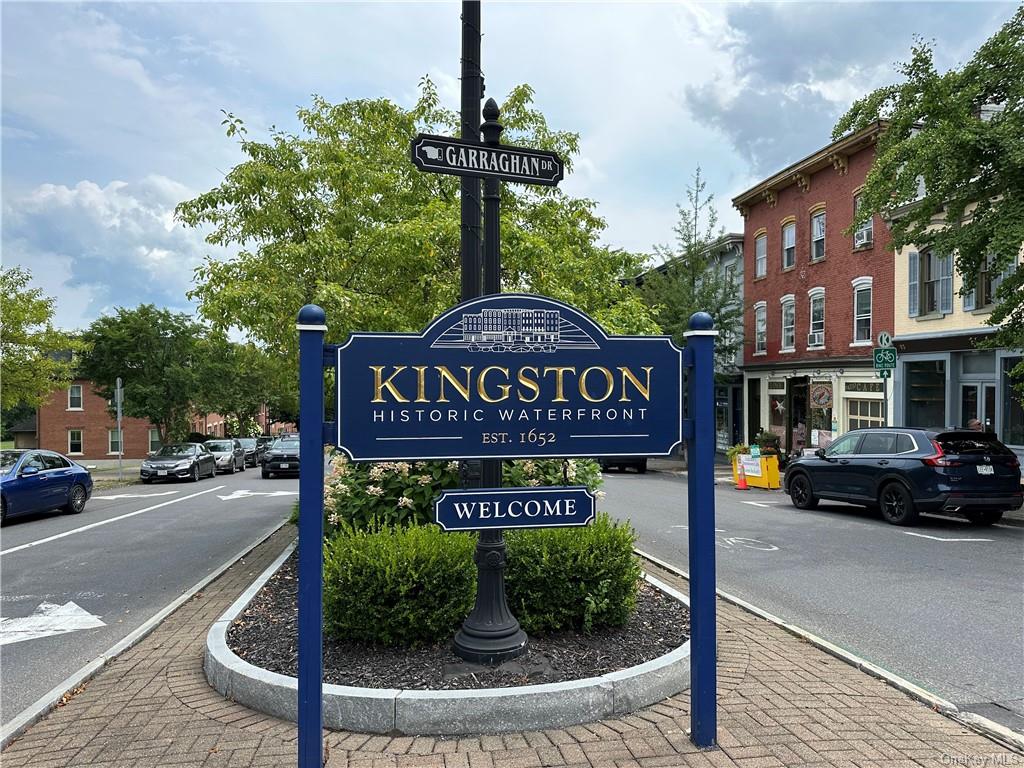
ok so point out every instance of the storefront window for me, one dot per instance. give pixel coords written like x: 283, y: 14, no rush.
x: 1013, y: 404
x: 925, y: 393
x: 865, y: 413
x: 777, y: 416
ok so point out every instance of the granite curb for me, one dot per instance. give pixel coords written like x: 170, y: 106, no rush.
x: 449, y: 713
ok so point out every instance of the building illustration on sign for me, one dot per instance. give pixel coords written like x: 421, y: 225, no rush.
x: 515, y: 329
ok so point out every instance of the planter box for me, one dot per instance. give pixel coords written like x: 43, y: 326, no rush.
x: 762, y: 472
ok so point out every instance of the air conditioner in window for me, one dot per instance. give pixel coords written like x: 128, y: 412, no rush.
x: 816, y: 339
x: 861, y: 237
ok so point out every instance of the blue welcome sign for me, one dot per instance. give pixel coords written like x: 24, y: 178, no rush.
x: 547, y: 507
x: 510, y: 376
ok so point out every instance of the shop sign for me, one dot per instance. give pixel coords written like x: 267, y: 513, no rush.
x: 510, y: 376
x: 480, y: 508
x: 821, y: 395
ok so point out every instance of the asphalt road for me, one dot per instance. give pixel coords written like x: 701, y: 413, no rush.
x: 940, y: 604
x: 123, y: 571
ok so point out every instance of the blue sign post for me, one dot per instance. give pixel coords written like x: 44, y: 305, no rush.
x: 311, y: 326
x: 700, y: 443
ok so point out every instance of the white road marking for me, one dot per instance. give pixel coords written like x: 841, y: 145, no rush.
x: 136, y: 495
x: 939, y: 538
x: 757, y: 504
x: 104, y: 522
x: 48, y: 619
x: 241, y: 493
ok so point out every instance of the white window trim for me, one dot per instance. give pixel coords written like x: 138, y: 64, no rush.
x: 859, y: 284
x: 787, y: 225
x: 81, y: 398
x: 824, y: 234
x: 81, y: 440
x: 783, y: 301
x: 757, y: 258
x: 817, y: 292
x: 110, y: 433
x: 763, y: 305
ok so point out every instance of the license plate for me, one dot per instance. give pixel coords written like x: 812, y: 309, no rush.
x: 285, y: 466
x: 984, y: 469
x: 161, y: 472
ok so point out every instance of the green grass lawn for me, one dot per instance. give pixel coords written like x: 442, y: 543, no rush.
x: 4, y: 444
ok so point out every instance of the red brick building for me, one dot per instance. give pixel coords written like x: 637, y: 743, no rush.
x: 77, y: 422
x: 816, y: 298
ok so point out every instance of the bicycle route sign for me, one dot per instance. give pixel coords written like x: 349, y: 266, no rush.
x: 884, y: 358
x: 508, y: 376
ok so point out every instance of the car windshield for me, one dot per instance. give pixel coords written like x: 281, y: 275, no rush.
x: 8, y: 459
x: 175, y: 450
x: 286, y: 445
x: 220, y: 445
x: 248, y: 442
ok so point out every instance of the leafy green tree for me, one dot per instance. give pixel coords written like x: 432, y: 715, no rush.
x: 949, y: 168
x: 691, y: 278
x: 35, y: 357
x: 157, y: 355
x: 338, y: 215
x: 235, y: 380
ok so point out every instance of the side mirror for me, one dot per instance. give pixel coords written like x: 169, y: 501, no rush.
x: 820, y: 453
x: 29, y: 471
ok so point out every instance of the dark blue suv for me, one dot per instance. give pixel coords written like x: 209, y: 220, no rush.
x: 904, y: 471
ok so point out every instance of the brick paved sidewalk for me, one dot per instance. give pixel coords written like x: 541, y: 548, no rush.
x: 782, y: 703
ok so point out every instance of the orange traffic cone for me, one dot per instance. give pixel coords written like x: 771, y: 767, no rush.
x: 741, y: 477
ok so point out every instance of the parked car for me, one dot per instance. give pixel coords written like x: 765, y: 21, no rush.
x: 38, y: 481
x: 179, y: 460
x: 282, y: 457
x: 639, y: 463
x: 228, y: 454
x: 253, y: 451
x: 904, y: 472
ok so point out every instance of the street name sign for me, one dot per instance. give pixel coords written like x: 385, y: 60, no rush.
x: 479, y: 508
x: 508, y: 376
x: 458, y: 157
x: 884, y: 358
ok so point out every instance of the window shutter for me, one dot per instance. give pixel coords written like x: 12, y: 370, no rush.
x: 913, y: 284
x: 946, y: 286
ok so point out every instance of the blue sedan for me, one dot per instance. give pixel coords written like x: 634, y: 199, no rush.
x: 38, y: 481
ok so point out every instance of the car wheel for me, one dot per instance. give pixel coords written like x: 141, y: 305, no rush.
x: 801, y: 494
x: 985, y: 516
x: 76, y: 499
x: 195, y: 473
x: 642, y: 468
x: 897, y: 506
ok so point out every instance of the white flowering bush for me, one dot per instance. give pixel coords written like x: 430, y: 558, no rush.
x: 390, y: 493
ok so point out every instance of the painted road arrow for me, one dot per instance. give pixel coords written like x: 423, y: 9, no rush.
x: 49, y: 619
x: 242, y: 494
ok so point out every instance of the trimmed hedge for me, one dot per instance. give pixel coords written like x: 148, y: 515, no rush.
x: 572, y: 578
x: 406, y: 585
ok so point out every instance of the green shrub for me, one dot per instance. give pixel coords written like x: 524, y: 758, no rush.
x: 404, y: 585
x: 401, y: 493
x: 572, y: 578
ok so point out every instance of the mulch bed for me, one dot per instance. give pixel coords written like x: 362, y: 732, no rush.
x: 266, y: 636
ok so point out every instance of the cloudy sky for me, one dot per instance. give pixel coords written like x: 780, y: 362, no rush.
x: 111, y: 113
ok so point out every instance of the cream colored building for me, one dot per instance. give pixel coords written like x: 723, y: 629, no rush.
x: 942, y: 378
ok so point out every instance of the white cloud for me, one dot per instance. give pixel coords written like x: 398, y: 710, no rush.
x: 97, y: 247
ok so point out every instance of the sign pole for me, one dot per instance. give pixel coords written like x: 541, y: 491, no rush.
x: 699, y: 432
x: 491, y: 634
x: 472, y: 92
x: 311, y: 326
x: 118, y: 399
